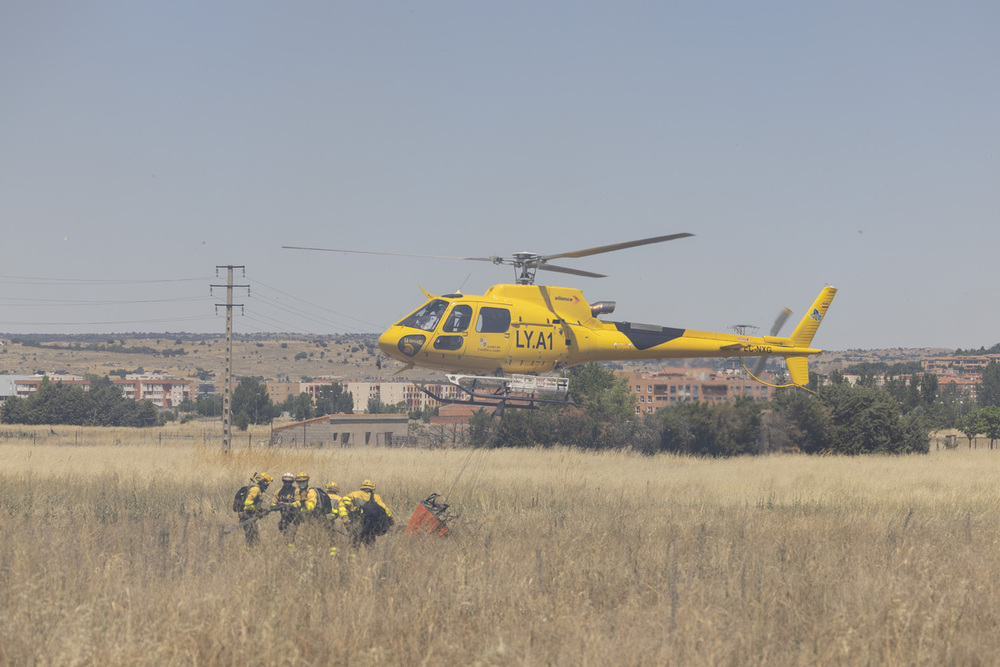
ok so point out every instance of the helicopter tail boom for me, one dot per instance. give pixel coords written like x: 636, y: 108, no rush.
x: 798, y: 366
x: 804, y: 332
x: 626, y: 340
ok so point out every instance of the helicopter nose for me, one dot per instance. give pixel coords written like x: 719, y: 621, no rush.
x: 387, y: 343
x: 399, y: 344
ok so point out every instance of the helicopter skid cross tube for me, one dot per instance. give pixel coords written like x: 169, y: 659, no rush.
x: 514, y: 391
x: 518, y: 384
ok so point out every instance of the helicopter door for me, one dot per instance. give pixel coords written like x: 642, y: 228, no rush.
x: 537, y: 348
x: 454, y: 330
x: 491, y: 340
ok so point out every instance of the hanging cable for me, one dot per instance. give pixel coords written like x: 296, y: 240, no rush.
x: 482, y: 452
x: 768, y: 384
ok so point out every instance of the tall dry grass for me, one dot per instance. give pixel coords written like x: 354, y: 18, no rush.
x: 113, y: 554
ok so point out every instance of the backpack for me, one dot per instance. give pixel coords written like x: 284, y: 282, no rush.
x: 241, y: 496
x: 323, y: 501
x: 374, y: 520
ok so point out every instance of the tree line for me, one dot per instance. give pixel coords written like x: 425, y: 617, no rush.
x: 251, y: 404
x: 895, y: 417
x: 836, y: 418
x: 103, y: 404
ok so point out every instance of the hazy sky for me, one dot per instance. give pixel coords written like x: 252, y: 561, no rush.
x: 851, y: 143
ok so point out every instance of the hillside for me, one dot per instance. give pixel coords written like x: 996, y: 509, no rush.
x: 278, y: 356
x: 272, y: 356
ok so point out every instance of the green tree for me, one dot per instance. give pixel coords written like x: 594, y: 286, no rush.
x: 103, y: 397
x: 605, y: 396
x: 250, y: 398
x: 302, y: 407
x: 971, y: 425
x: 866, y: 420
x: 377, y: 407
x: 209, y: 405
x: 928, y: 388
x: 989, y: 388
x: 241, y: 421
x: 804, y: 420
x: 102, y: 405
x: 706, y: 429
x: 14, y: 411
x: 989, y: 421
x: 331, y: 399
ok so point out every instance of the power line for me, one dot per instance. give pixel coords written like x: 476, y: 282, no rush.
x: 303, y: 314
x: 76, y: 324
x: 47, y: 303
x: 318, y: 307
x: 23, y: 280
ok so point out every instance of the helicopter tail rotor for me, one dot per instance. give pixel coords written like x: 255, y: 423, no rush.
x: 775, y: 328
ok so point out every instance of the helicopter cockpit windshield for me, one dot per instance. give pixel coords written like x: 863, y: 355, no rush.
x: 427, y: 317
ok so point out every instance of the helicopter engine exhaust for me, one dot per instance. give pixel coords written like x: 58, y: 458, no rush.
x: 602, y: 308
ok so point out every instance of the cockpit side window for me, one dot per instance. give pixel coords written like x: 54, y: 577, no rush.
x: 493, y: 320
x: 458, y: 320
x: 427, y: 317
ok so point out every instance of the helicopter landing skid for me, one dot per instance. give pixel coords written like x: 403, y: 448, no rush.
x: 513, y: 391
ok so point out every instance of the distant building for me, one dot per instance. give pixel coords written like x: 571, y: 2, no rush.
x: 8, y: 385
x: 962, y: 364
x: 653, y: 391
x: 969, y: 386
x: 165, y: 391
x: 28, y: 384
x: 393, y: 393
x: 344, y: 431
x: 279, y: 392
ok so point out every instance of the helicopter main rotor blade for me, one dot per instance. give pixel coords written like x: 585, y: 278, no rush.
x: 392, y: 254
x: 618, y: 246
x: 575, y: 272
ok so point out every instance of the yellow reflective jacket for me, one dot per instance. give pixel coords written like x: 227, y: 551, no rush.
x: 350, y: 505
x: 254, y: 499
x: 286, y: 494
x: 335, y: 507
x: 307, y: 499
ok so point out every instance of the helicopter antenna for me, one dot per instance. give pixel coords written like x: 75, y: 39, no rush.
x: 742, y: 329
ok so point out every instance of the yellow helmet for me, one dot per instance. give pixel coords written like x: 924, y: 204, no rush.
x: 288, y: 477
x: 332, y: 487
x: 302, y: 477
x: 367, y: 485
x: 263, y: 478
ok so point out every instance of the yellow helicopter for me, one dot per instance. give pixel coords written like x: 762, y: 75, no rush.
x: 512, y: 335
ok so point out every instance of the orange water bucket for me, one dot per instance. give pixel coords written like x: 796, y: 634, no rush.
x: 424, y: 522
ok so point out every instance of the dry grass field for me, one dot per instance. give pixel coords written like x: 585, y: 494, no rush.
x: 114, y: 554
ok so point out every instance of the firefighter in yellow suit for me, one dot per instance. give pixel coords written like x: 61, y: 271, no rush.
x: 333, y: 490
x: 253, y: 505
x: 334, y: 515
x: 303, y: 505
x: 306, y: 499
x: 365, y: 525
x: 284, y: 497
